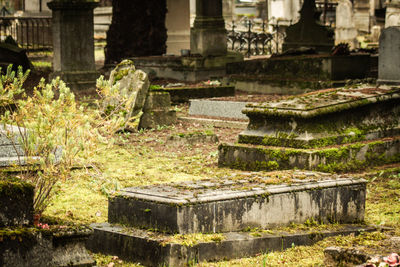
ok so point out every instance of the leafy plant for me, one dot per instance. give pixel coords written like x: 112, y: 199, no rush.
x: 54, y: 131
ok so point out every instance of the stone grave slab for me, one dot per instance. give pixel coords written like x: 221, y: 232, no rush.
x: 217, y: 108
x: 223, y: 205
x: 328, y: 130
x: 160, y: 249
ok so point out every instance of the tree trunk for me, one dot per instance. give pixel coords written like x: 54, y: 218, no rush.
x: 137, y: 29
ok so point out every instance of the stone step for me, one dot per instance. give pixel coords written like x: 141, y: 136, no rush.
x: 215, y: 122
x: 55, y: 247
x: 160, y: 249
x: 349, y: 157
x: 223, y: 205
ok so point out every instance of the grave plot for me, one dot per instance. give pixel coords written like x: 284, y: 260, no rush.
x: 143, y: 222
x: 22, y: 244
x: 328, y: 130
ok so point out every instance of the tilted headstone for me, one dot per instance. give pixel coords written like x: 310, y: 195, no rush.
x: 133, y: 86
x: 389, y: 56
x: 345, y: 28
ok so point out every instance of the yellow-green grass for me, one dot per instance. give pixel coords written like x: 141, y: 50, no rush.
x: 147, y: 158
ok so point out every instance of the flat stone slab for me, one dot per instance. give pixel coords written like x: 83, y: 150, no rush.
x: 324, y: 118
x: 223, y: 205
x: 348, y: 157
x: 217, y: 108
x: 158, y: 249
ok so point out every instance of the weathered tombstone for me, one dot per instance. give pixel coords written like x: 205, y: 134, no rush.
x: 375, y: 33
x: 392, y: 13
x: 73, y: 42
x: 389, y: 56
x: 362, y: 16
x: 308, y: 32
x: 133, y: 87
x: 345, y: 30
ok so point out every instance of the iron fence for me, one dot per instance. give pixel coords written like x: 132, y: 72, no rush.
x: 256, y: 42
x: 31, y: 33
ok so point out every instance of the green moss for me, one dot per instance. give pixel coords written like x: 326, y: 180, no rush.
x: 120, y: 74
x: 12, y: 187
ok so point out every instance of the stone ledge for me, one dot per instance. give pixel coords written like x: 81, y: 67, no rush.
x: 156, y: 249
x: 347, y: 157
x: 215, y: 122
x: 33, y: 247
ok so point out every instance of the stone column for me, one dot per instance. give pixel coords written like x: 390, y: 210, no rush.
x: 177, y: 23
x: 73, y: 42
x: 208, y: 35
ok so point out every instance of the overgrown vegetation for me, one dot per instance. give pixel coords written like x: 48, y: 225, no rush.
x: 115, y: 161
x: 54, y: 131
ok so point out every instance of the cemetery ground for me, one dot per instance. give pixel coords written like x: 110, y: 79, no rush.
x: 149, y: 157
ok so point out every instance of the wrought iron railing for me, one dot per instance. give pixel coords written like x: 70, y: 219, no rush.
x: 256, y: 42
x: 31, y: 33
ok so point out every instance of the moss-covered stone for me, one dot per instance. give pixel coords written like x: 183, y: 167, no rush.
x: 16, y: 198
